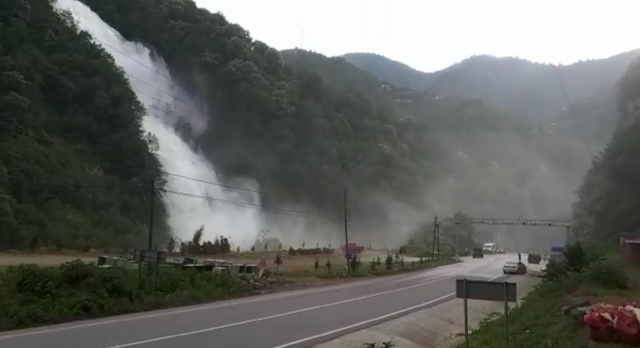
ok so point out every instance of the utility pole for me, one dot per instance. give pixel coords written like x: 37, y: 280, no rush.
x: 346, y: 234
x: 153, y: 198
x: 433, y: 242
x: 438, y: 235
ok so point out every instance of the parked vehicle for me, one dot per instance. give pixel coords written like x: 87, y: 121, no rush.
x: 534, y: 257
x: 513, y: 267
x: 489, y: 248
x: 477, y: 253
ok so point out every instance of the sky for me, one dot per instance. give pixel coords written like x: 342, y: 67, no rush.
x: 431, y: 35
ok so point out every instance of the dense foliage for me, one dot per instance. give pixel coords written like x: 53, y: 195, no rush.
x: 609, y: 196
x: 284, y: 127
x: 74, y: 163
x: 31, y: 295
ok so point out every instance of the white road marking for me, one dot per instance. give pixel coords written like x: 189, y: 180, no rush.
x: 195, y: 332
x: 408, y: 309
x: 163, y: 313
x: 366, y: 321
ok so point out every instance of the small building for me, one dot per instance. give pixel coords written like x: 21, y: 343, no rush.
x: 630, y: 247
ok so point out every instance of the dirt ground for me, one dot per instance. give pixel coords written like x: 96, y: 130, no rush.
x: 298, y: 263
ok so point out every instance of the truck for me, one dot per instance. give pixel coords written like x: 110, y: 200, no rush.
x: 489, y: 248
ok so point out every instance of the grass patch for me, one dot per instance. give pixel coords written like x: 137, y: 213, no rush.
x: 33, y: 295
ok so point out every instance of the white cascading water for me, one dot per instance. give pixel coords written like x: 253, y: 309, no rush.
x: 150, y: 80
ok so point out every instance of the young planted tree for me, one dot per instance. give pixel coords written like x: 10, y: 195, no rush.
x: 328, y: 265
x: 316, y: 265
x: 196, y: 246
x: 388, y: 262
x: 354, y: 263
x: 278, y: 261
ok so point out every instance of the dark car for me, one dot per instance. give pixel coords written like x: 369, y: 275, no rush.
x: 534, y: 258
x: 477, y: 253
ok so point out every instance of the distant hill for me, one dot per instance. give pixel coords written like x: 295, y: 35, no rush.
x: 531, y: 91
x: 441, y: 114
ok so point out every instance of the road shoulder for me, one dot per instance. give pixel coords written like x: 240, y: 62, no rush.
x: 439, y: 326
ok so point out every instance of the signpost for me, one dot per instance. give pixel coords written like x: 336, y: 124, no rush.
x: 486, y: 291
x: 150, y: 257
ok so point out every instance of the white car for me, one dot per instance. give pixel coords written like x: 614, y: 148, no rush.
x: 514, y: 267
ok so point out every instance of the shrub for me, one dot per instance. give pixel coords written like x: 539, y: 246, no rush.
x: 607, y: 273
x: 555, y: 270
x: 292, y: 251
x: 32, y: 295
x: 388, y: 262
x: 354, y: 263
x: 576, y: 257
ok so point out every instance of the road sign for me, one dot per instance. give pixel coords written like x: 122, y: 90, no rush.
x: 150, y: 256
x: 487, y: 291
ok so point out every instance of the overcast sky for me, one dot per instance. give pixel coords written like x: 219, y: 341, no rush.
x: 430, y: 35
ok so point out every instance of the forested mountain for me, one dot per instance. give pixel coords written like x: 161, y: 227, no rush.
x: 74, y: 162
x: 608, y: 198
x: 489, y: 163
x: 286, y: 128
x: 528, y: 90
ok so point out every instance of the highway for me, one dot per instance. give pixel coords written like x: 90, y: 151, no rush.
x: 290, y: 319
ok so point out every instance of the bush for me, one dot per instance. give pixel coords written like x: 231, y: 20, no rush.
x: 607, y: 273
x: 555, y: 270
x: 32, y: 295
x: 388, y: 262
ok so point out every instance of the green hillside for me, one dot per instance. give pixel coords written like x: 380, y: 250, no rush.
x: 286, y: 128
x: 74, y: 162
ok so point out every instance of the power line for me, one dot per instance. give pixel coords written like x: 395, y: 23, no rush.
x: 239, y: 204
x: 157, y: 171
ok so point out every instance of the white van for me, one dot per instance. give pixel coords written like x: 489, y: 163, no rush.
x: 489, y: 248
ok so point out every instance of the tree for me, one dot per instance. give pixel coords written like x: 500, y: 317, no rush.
x: 196, y: 241
x: 278, y: 261
x: 68, y: 117
x: 388, y: 262
x: 607, y: 200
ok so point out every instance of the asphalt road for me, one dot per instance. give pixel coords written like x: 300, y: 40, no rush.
x: 292, y: 319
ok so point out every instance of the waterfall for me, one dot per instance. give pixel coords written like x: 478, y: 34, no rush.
x: 163, y: 99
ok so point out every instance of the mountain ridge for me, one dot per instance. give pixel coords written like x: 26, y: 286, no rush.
x: 533, y: 91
